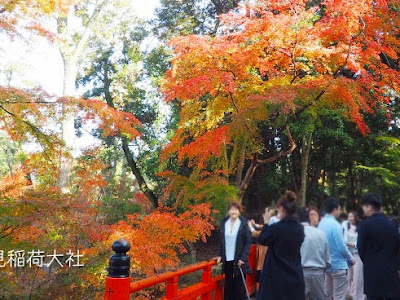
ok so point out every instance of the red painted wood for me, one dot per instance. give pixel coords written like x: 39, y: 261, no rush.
x: 251, y: 278
x: 210, y: 288
x: 150, y: 281
x: 172, y: 288
x: 117, y: 288
x: 219, y: 290
x: 206, y: 280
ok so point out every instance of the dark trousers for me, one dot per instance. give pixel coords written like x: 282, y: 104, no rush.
x: 234, y: 288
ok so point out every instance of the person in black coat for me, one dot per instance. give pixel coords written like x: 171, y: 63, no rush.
x: 379, y: 249
x: 282, y: 276
x: 234, y: 250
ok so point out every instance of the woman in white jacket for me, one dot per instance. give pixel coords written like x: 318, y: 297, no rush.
x: 356, y: 272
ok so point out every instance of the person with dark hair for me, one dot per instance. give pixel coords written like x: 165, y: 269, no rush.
x: 282, y: 274
x: 313, y: 216
x: 336, y: 279
x: 379, y: 249
x: 234, y: 250
x: 356, y: 278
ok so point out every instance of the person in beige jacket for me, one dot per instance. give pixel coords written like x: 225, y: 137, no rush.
x: 261, y: 249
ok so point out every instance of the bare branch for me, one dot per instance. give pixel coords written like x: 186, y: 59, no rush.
x: 293, y: 146
x: 256, y: 162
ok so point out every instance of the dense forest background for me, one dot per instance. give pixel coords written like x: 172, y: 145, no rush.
x: 164, y: 149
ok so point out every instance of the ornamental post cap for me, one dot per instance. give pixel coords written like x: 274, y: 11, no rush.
x: 121, y: 246
x: 119, y: 262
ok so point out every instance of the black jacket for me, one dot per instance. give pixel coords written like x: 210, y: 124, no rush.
x: 379, y: 249
x: 243, y: 244
x: 282, y: 275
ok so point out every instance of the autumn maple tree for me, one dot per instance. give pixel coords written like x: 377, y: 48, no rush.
x: 36, y: 214
x: 240, y: 91
x: 242, y: 97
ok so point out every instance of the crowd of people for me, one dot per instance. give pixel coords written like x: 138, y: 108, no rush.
x: 303, y: 256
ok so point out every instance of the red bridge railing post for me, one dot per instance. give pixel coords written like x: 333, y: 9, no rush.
x: 172, y: 288
x: 219, y: 291
x: 251, y: 278
x: 118, y: 279
x: 206, y: 279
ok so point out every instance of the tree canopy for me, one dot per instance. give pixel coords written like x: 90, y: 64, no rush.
x: 208, y: 102
x: 241, y: 90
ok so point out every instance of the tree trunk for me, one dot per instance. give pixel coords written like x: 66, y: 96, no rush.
x: 70, y: 54
x: 9, y: 159
x: 361, y: 185
x: 240, y: 166
x: 333, y: 166
x: 193, y: 253
x: 125, y: 146
x: 249, y: 174
x: 225, y: 163
x: 256, y: 162
x: 135, y: 170
x: 316, y: 176
x: 305, y: 155
x: 353, y: 186
x: 122, y: 181
x: 68, y: 124
x: 291, y: 164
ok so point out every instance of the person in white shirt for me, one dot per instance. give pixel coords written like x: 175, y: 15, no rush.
x: 356, y: 277
x: 234, y: 250
x: 274, y: 219
x: 315, y: 259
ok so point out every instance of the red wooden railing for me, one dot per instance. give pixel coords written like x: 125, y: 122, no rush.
x: 119, y: 286
x: 203, y: 289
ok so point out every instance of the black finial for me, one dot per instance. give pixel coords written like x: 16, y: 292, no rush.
x: 120, y: 262
x: 121, y: 246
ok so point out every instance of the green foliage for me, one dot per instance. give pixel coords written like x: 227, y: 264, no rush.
x: 175, y: 18
x: 157, y: 62
x: 117, y: 208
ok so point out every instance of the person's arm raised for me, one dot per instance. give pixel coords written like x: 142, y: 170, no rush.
x: 267, y: 235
